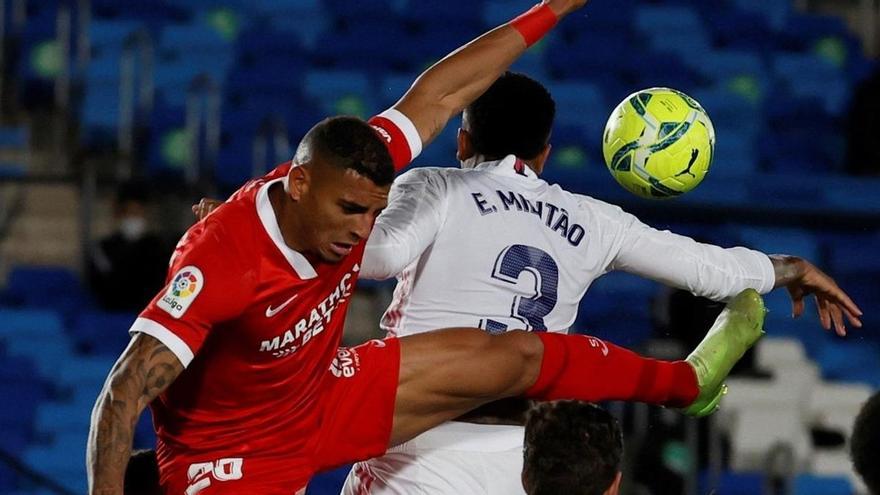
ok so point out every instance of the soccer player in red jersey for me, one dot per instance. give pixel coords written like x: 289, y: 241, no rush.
x: 238, y: 356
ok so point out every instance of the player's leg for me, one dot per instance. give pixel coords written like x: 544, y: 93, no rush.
x: 446, y: 373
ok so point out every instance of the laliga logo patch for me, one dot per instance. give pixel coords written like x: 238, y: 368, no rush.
x: 182, y: 291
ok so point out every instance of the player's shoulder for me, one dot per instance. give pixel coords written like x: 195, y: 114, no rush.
x: 433, y: 177
x: 232, y: 225
x: 589, y: 205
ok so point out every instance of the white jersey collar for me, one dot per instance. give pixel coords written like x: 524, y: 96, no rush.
x: 300, y: 264
x: 510, y: 166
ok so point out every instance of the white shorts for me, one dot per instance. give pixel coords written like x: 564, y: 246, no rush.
x: 452, y: 459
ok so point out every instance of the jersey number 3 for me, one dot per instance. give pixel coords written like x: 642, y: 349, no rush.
x: 511, y: 263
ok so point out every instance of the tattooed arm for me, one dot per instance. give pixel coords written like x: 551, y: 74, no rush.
x: 145, y: 369
x: 802, y: 278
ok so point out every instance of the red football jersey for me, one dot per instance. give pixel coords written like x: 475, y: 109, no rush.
x: 255, y: 324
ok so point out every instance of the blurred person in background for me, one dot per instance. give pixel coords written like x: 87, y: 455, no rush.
x: 127, y: 268
x: 572, y: 448
x: 865, y: 444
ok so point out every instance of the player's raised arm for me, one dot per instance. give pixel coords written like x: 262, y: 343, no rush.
x: 452, y: 83
x: 145, y: 369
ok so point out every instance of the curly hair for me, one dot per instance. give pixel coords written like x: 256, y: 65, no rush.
x: 865, y: 443
x: 571, y: 447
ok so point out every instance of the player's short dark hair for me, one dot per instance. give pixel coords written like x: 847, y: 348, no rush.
x: 513, y: 117
x: 571, y: 448
x: 142, y: 474
x: 865, y: 443
x: 349, y: 142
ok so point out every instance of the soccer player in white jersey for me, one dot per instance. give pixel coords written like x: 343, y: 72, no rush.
x: 492, y: 245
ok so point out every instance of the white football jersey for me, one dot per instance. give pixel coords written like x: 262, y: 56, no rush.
x: 498, y: 248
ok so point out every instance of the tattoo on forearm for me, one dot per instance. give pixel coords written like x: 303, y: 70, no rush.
x: 788, y: 269
x: 145, y: 370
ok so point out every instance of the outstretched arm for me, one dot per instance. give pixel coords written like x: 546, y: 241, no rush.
x: 145, y: 369
x: 717, y: 273
x: 802, y: 278
x: 462, y: 76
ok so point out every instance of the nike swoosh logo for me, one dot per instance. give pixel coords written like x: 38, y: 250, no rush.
x: 270, y: 311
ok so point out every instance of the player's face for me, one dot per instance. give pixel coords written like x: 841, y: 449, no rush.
x: 342, y: 206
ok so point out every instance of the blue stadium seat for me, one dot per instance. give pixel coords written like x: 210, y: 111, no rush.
x: 732, y: 483
x: 47, y: 287
x: 665, y: 19
x: 330, y: 88
x: 258, y: 46
x: 793, y: 66
x: 14, y: 137
x: 847, y: 257
x: 393, y: 86
x: 374, y: 47
x: 724, y: 65
x: 741, y: 30
x: 427, y: 14
x: 22, y: 323
x: 108, y: 36
x: 734, y: 154
x: 102, y: 333
x: 101, y: 104
x: 58, y: 418
x: 86, y: 374
x: 809, y: 484
x: 801, y: 242
x: 731, y: 112
x: 776, y: 12
x: 846, y: 359
x: 279, y: 13
x: 362, y: 10
x: 189, y: 38
x: 441, y: 152
x: 580, y: 104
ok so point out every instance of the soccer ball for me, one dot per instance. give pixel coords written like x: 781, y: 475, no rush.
x: 658, y: 143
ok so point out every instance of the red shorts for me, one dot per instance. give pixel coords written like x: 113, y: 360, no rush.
x: 356, y: 420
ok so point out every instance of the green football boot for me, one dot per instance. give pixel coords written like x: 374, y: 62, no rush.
x: 737, y: 329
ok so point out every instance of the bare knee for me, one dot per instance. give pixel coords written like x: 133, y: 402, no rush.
x: 526, y: 351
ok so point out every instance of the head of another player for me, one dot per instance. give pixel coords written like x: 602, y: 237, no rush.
x: 865, y: 443
x: 513, y: 117
x: 339, y: 183
x: 573, y: 448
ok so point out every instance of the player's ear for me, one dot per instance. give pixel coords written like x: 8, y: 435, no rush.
x: 541, y: 160
x: 298, y: 180
x: 465, y: 149
x: 614, y: 489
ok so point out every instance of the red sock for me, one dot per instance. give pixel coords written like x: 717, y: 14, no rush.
x: 585, y: 368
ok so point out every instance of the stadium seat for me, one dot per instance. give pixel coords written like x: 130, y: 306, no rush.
x: 757, y: 432
x: 46, y: 287
x: 732, y: 483
x: 663, y: 18
x: 775, y: 353
x: 848, y: 360
x: 102, y: 333
x: 835, y: 405
x: 14, y: 137
x: 580, y: 105
x: 776, y: 12
x: 24, y: 323
x: 807, y: 484
x: 337, y: 91
x: 59, y: 418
